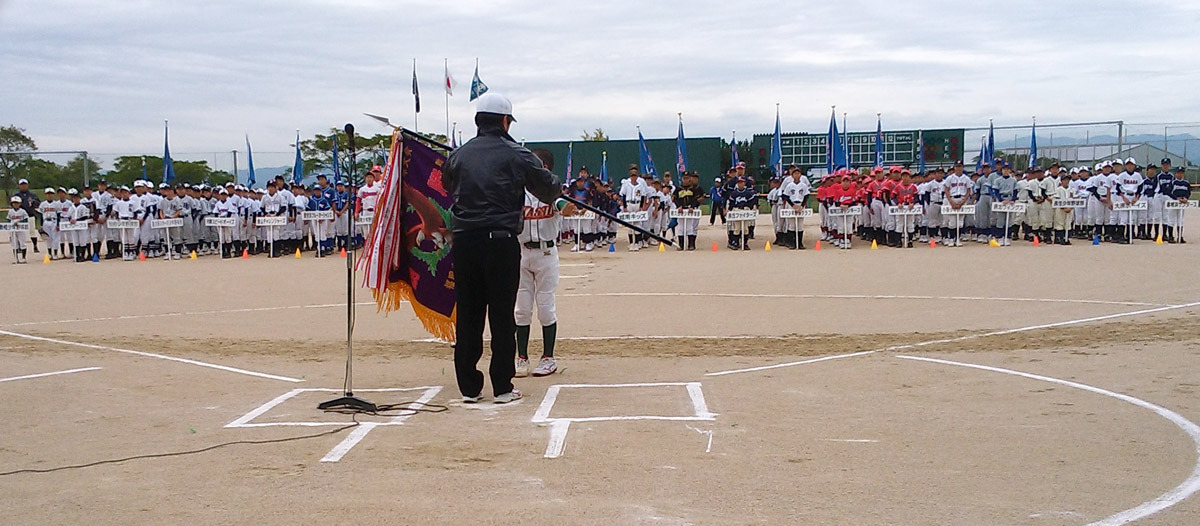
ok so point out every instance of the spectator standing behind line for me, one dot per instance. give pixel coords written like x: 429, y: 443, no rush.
x: 488, y: 177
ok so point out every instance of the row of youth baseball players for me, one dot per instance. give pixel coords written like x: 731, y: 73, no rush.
x: 63, y: 209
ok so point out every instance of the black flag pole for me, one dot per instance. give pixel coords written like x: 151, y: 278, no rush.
x: 348, y: 400
x: 569, y: 199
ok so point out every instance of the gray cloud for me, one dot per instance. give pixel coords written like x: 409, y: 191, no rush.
x: 103, y: 75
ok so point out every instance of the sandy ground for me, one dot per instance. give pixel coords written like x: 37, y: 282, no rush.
x: 871, y: 439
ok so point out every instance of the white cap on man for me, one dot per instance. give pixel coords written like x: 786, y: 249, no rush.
x: 496, y: 103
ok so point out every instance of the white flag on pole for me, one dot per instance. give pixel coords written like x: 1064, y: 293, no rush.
x: 450, y: 82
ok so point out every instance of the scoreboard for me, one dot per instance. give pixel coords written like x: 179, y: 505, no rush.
x: 942, y: 147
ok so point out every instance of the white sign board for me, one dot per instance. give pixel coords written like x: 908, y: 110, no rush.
x: 1068, y: 203
x: 964, y: 210
x: 365, y: 219
x: 838, y: 211
x: 916, y: 210
x: 316, y: 215
x: 175, y: 222
x: 1176, y: 205
x: 123, y: 224
x: 1014, y: 208
x: 22, y: 226
x: 741, y: 215
x: 634, y: 217
x: 583, y: 216
x: 686, y: 214
x: 270, y: 221
x: 1131, y: 207
x: 220, y: 221
x: 73, y: 227
x: 791, y: 213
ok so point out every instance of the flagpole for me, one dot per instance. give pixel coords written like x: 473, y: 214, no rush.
x: 846, y: 140
x: 416, y: 105
x: 446, y: 64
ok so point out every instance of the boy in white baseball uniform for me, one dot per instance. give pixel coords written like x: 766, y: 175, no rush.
x: 49, y: 210
x: 17, y: 236
x: 539, y: 276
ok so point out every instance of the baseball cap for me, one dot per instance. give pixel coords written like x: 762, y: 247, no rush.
x: 1180, y: 170
x: 49, y: 190
x: 23, y: 181
x: 496, y: 103
x: 15, y: 199
x: 72, y: 192
x: 163, y: 185
x: 1130, y: 161
x: 1165, y: 160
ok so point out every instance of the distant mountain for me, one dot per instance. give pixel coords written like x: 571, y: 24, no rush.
x: 263, y: 173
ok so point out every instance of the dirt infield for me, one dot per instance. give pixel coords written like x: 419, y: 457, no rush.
x: 801, y: 433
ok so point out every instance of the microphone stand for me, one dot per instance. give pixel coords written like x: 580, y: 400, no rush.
x: 348, y: 400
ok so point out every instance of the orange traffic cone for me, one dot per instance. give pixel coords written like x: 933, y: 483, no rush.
x: 818, y: 245
x: 245, y: 253
x: 142, y: 256
x: 1037, y: 242
x: 932, y: 243
x: 342, y: 253
x: 714, y: 246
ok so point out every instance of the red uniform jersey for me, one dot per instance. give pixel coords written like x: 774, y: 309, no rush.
x: 845, y: 196
x: 906, y: 194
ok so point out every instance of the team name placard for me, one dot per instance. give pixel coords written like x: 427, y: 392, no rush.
x: 685, y: 214
x: 123, y: 224
x: 1015, y: 208
x: 634, y: 216
x: 1068, y: 203
x: 966, y: 209
x: 22, y: 226
x: 220, y: 221
x: 1176, y: 205
x: 73, y: 227
x: 791, y: 213
x: 741, y: 215
x: 1131, y: 207
x: 174, y: 222
x: 916, y: 210
x: 838, y: 211
x: 270, y: 221
x: 316, y: 215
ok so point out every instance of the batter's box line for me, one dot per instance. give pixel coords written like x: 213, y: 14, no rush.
x: 560, y: 426
x: 360, y: 431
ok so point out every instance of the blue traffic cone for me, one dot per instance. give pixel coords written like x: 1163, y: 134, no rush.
x: 95, y: 257
x: 612, y: 247
x: 1095, y: 240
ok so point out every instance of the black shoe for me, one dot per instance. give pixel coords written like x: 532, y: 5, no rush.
x: 799, y: 245
x: 691, y: 243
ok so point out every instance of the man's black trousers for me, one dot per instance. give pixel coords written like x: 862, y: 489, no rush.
x: 487, y: 269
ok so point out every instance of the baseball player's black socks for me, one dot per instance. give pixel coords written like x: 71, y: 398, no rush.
x: 631, y: 239
x: 523, y: 341
x: 680, y: 243
x: 34, y: 240
x: 691, y: 242
x: 549, y: 335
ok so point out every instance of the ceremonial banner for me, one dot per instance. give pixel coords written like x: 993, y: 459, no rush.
x: 407, y: 255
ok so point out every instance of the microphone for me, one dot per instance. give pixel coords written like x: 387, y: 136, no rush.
x: 350, y: 135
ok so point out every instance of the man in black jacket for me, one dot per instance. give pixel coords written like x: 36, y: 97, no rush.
x: 488, y: 177
x: 29, y: 203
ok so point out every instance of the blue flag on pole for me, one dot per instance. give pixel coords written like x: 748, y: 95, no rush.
x: 477, y: 86
x: 733, y: 154
x: 570, y: 167
x: 644, y: 159
x: 836, y: 152
x: 416, y: 90
x: 337, y: 166
x: 298, y: 167
x: 168, y: 165
x: 879, y: 142
x: 982, y: 154
x: 681, y: 155
x: 921, y: 150
x: 1033, y: 147
x: 453, y: 137
x: 991, y: 144
x: 250, y: 159
x: 777, y: 147
x: 604, y: 167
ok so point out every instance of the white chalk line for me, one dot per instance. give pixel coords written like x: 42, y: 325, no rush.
x: 856, y: 297
x: 604, y: 294
x: 576, y: 264
x: 43, y: 375
x: 191, y: 313
x: 851, y: 440
x: 575, y: 277
x: 959, y: 338
x: 247, y: 420
x: 360, y: 433
x: 708, y: 432
x: 1184, y: 490
x: 560, y: 426
x: 152, y: 355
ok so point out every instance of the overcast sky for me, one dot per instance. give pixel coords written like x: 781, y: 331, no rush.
x: 103, y: 75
